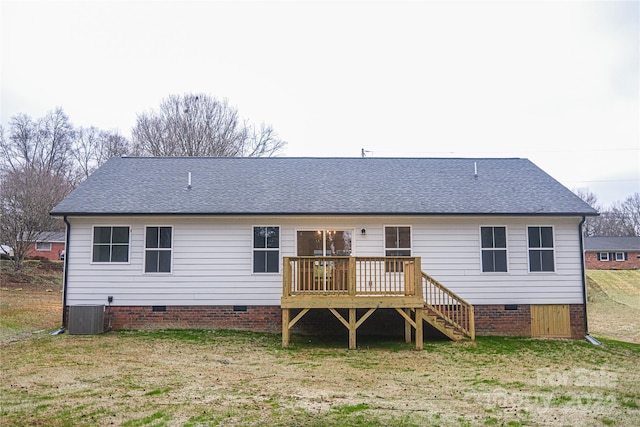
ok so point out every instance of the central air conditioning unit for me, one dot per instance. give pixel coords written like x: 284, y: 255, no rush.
x: 86, y: 319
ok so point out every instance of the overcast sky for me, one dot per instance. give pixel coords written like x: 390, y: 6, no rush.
x: 555, y: 82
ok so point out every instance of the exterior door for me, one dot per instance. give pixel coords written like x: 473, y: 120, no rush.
x: 325, y: 242
x: 550, y: 321
x: 329, y: 275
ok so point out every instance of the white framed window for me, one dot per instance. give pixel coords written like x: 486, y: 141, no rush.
x: 266, y: 249
x: 43, y: 246
x: 110, y: 244
x: 158, y: 245
x: 541, y: 249
x: 397, y: 240
x: 603, y: 256
x: 621, y: 256
x: 493, y: 242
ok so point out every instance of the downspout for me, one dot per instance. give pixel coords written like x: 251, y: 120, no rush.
x: 584, y: 283
x: 64, y: 279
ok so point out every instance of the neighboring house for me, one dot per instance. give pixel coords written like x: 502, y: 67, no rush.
x: 612, y: 253
x: 49, y: 245
x: 493, y: 246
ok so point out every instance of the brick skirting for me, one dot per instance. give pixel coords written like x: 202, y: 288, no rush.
x: 494, y: 320
x: 515, y: 320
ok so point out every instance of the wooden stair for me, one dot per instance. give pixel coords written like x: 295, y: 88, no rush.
x: 446, y: 311
x: 450, y: 330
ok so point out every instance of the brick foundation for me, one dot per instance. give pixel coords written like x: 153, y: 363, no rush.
x: 490, y: 320
x: 498, y: 320
x: 576, y: 315
x: 246, y: 318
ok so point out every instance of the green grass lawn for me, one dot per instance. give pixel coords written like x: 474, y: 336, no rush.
x: 196, y: 378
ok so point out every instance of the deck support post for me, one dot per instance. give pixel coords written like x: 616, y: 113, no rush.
x: 407, y: 327
x: 285, y: 328
x: 352, y: 329
x: 419, y: 330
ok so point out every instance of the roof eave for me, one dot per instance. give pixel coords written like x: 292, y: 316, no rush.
x: 544, y: 214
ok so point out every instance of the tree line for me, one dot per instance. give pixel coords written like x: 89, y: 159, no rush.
x: 622, y: 218
x: 44, y: 159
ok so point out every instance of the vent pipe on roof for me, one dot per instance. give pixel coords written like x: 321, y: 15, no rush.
x: 475, y: 169
x: 189, y: 181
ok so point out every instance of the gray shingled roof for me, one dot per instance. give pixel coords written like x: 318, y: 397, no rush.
x: 352, y: 186
x: 611, y: 243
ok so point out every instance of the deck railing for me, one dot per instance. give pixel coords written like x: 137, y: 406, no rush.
x: 351, y: 276
x: 448, y: 306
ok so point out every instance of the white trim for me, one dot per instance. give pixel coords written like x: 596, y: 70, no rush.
x: 605, y: 258
x: 144, y: 250
x: 93, y: 228
x: 616, y: 256
x: 279, y: 250
x: 553, y: 248
x: 506, y: 248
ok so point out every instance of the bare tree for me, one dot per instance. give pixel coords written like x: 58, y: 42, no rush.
x: 632, y: 206
x: 591, y: 224
x: 92, y: 147
x: 199, y: 125
x: 620, y: 219
x: 26, y: 198
x: 43, y: 144
x: 111, y: 144
x: 627, y: 214
x: 263, y: 142
x: 40, y: 163
x: 84, y: 148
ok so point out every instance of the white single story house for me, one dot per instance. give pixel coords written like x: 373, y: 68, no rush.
x: 255, y: 243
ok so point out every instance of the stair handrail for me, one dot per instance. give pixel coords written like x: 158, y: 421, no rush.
x: 462, y: 319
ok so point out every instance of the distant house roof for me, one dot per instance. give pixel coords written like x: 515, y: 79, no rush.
x: 611, y: 243
x: 50, y: 236
x: 313, y: 186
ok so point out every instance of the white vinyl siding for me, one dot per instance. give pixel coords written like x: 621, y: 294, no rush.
x: 212, y: 259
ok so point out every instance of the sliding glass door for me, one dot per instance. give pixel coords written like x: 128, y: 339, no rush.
x: 325, y: 275
x: 325, y: 242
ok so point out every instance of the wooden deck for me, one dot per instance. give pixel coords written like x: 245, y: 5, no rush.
x: 370, y: 283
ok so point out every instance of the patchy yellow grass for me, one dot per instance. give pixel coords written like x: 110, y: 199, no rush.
x: 614, y: 304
